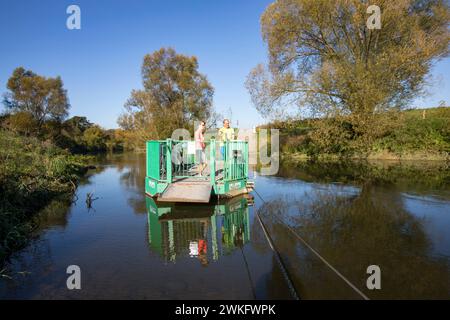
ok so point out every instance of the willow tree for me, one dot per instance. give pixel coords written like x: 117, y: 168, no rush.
x: 325, y: 56
x: 175, y: 94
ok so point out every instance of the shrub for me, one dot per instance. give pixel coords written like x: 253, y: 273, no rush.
x: 31, y: 174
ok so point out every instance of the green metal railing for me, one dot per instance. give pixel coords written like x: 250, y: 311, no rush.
x: 156, y: 160
x: 169, y: 159
x: 236, y: 160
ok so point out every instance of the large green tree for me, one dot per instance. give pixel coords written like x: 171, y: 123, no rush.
x: 175, y: 93
x: 44, y: 98
x: 323, y: 57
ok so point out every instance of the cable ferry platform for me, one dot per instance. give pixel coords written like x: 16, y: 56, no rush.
x: 173, y: 176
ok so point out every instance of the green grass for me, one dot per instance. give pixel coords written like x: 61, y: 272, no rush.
x: 418, y: 134
x: 32, y: 173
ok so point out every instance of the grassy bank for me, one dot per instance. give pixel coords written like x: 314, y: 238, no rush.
x: 32, y: 173
x: 421, y: 134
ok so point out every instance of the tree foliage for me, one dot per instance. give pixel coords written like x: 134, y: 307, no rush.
x: 21, y: 123
x: 412, y: 137
x: 43, y: 98
x: 323, y: 57
x: 95, y: 138
x: 174, y: 95
x: 322, y: 53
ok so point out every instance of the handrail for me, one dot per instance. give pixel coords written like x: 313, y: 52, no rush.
x: 212, y: 161
x: 236, y: 160
x: 165, y: 169
x: 169, y: 160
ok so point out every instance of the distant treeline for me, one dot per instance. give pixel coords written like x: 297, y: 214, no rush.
x: 38, y: 106
x: 76, y: 134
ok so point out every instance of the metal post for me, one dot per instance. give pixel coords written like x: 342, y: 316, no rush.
x: 246, y: 156
x: 169, y: 160
x: 225, y: 161
x: 212, y: 161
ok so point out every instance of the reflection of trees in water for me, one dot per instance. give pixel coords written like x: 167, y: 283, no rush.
x: 34, y: 259
x: 420, y: 176
x: 258, y: 239
x: 54, y: 214
x: 132, y: 169
x: 355, y: 232
x: 272, y: 284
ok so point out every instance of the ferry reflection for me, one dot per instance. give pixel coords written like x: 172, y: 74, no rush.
x: 204, y: 232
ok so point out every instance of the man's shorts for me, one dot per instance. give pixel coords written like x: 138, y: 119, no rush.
x: 200, y: 156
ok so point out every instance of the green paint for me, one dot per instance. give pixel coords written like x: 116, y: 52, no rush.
x: 169, y: 160
x: 212, y: 161
x: 154, y: 227
x: 228, y: 228
x: 153, y: 169
x: 235, y: 174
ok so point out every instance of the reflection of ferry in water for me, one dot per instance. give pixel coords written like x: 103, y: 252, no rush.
x: 198, y: 231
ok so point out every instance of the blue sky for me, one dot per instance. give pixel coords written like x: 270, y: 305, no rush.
x: 100, y: 64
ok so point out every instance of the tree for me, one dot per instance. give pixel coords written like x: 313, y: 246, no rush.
x: 77, y: 125
x: 95, y: 138
x: 43, y: 98
x: 22, y: 123
x: 174, y: 95
x: 323, y: 57
x: 72, y: 134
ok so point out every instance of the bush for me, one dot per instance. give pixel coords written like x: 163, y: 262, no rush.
x: 430, y: 134
x: 409, y: 132
x: 31, y: 174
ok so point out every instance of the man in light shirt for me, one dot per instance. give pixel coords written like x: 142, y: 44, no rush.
x: 225, y: 134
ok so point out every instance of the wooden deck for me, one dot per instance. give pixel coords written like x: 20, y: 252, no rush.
x: 195, y: 188
x: 187, y: 191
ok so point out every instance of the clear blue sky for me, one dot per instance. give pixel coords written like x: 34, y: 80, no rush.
x: 100, y: 64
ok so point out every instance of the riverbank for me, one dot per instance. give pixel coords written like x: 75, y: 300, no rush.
x: 419, y: 134
x: 32, y: 173
x: 384, y: 155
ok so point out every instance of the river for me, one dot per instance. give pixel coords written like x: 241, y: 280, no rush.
x: 328, y: 221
